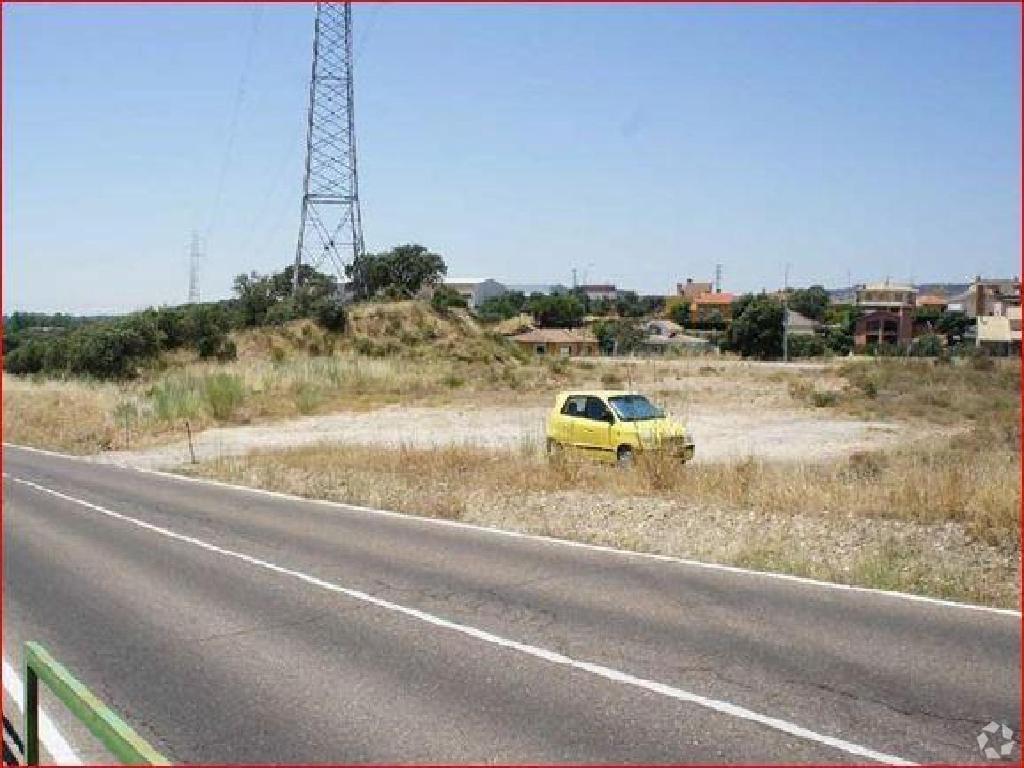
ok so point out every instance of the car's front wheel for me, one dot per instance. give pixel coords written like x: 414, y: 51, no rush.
x: 624, y: 456
x: 554, y: 448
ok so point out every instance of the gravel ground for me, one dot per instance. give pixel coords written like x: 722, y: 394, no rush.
x: 940, y: 560
x: 720, y: 434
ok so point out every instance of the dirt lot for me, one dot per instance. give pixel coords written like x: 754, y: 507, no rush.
x: 720, y: 434
x: 734, y: 410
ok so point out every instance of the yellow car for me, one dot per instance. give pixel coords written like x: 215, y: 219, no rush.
x: 614, y: 425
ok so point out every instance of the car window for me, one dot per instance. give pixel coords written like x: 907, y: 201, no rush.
x: 634, y: 408
x: 596, y: 409
x: 575, y: 405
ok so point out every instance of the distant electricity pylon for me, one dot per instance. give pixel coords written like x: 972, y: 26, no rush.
x: 195, y: 256
x: 330, y: 227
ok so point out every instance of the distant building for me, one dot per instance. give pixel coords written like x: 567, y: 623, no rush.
x: 475, y: 290
x: 665, y: 335
x: 600, y: 292
x: 988, y: 297
x: 1000, y: 333
x: 528, y: 288
x: 800, y: 325
x: 704, y: 306
x: 664, y: 328
x: 884, y: 327
x: 934, y: 301
x: 889, y: 296
x: 691, y: 289
x: 562, y: 342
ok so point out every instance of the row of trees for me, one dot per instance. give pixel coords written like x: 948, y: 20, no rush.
x: 568, y: 307
x: 117, y: 348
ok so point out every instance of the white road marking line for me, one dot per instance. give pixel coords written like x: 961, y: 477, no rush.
x: 409, y: 517
x: 52, y: 740
x: 553, y: 657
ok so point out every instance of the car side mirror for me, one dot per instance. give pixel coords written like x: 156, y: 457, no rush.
x: 609, y: 418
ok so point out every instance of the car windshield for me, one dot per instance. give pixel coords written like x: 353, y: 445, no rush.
x: 634, y: 408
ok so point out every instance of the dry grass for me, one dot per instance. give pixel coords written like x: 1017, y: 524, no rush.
x: 874, y: 518
x: 939, y: 517
x: 401, y: 352
x: 594, y: 502
x: 77, y: 418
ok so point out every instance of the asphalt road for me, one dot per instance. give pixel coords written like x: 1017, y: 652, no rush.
x: 234, y: 626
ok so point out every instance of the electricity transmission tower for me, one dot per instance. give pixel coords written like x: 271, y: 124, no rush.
x: 195, y: 256
x: 330, y: 228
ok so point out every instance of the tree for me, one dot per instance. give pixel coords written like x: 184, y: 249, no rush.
x: 839, y: 340
x: 556, y: 310
x: 206, y: 326
x: 628, y: 305
x: 619, y: 337
x: 713, y: 320
x: 255, y: 297
x: 806, y: 345
x: 928, y: 345
x: 810, y: 302
x: 331, y: 315
x: 446, y: 298
x: 400, y: 272
x: 507, y: 305
x: 954, y: 326
x: 757, y: 331
x: 680, y: 312
x: 262, y: 299
x: 29, y: 357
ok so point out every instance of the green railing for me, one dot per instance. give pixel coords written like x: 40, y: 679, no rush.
x: 124, y: 743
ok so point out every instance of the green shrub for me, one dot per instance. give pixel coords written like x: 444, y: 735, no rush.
x: 228, y: 351
x: 29, y: 357
x: 446, y: 298
x: 928, y: 345
x: 307, y: 395
x: 611, y: 380
x: 331, y: 316
x: 175, y: 397
x: 223, y: 393
x: 824, y: 399
x: 806, y: 346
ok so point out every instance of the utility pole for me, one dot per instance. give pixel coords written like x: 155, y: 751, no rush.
x: 718, y: 278
x: 785, y: 317
x: 330, y: 224
x: 195, y: 256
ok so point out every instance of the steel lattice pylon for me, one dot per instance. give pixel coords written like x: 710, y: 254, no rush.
x: 330, y: 228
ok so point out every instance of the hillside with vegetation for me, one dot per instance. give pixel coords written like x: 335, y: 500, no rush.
x: 270, y: 352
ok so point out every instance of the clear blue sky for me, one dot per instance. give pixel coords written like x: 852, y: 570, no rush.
x: 640, y: 144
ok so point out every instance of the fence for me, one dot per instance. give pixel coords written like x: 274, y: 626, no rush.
x: 126, y: 745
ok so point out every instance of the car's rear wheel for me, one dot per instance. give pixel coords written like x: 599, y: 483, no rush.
x: 554, y: 448
x: 624, y: 456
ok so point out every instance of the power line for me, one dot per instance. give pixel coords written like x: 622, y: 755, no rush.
x: 236, y: 109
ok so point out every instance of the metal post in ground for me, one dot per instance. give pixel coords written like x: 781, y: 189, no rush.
x: 191, y: 450
x: 31, y: 716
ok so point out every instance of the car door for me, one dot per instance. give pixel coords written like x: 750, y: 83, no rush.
x: 571, y: 414
x: 595, y: 428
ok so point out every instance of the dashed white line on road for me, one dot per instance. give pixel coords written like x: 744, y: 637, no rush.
x: 544, y: 654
